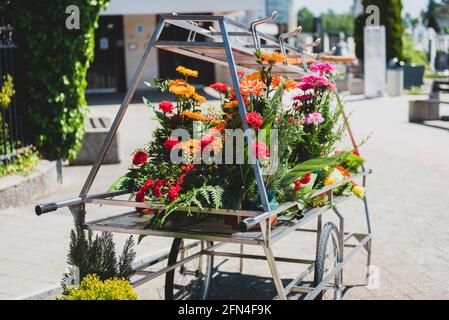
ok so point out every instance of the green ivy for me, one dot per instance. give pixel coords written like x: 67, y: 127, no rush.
x: 54, y: 62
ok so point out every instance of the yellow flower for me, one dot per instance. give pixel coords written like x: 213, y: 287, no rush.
x: 272, y: 58
x: 181, y: 88
x: 187, y: 72
x: 194, y: 115
x: 330, y: 180
x: 358, y: 191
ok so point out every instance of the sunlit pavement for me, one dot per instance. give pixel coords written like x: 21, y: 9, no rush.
x: 408, y: 198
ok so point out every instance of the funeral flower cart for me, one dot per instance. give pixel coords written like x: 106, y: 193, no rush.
x: 266, y: 190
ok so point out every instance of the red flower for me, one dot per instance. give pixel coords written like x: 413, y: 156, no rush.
x: 254, y: 119
x: 166, y: 106
x: 171, y: 143
x: 173, y: 193
x: 222, y: 87
x: 147, y: 185
x: 298, y: 185
x: 140, y: 196
x: 140, y: 157
x: 157, y: 188
x: 181, y: 178
x: 239, y: 73
x: 206, y: 140
x: 261, y: 150
x: 356, y: 152
x: 306, y: 179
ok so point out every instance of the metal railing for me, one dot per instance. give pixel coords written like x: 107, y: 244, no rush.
x: 10, y: 124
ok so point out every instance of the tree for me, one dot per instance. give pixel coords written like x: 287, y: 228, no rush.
x: 431, y: 16
x: 390, y: 17
x: 305, y: 19
x: 54, y: 61
x: 334, y: 22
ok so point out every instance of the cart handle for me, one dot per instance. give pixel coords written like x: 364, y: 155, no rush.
x: 40, y: 209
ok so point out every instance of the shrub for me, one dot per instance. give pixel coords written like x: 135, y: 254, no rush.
x: 54, y: 62
x: 92, y: 288
x: 97, y: 255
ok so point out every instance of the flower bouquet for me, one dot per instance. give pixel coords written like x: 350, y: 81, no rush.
x: 197, y: 158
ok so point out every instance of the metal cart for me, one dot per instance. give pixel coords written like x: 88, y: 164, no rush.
x: 190, y: 259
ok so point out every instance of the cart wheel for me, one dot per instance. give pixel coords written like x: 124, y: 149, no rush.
x: 327, y: 258
x: 190, y: 281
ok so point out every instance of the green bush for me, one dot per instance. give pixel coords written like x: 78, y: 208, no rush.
x: 411, y: 54
x: 390, y: 17
x: 54, y: 62
x: 92, y: 288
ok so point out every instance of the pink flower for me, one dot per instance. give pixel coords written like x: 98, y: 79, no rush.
x: 322, y: 68
x: 314, y: 118
x: 206, y: 140
x: 254, y: 120
x: 303, y: 97
x: 166, y: 106
x: 261, y: 150
x: 311, y: 82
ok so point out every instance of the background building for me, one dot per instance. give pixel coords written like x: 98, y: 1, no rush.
x: 126, y: 26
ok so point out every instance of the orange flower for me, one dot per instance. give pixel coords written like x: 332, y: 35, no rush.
x: 345, y: 172
x: 194, y: 115
x: 272, y: 58
x: 253, y: 76
x: 198, y: 98
x: 252, y: 87
x: 190, y: 146
x: 290, y: 84
x: 181, y: 88
x: 231, y: 105
x: 275, y: 80
x: 221, y: 126
x: 187, y: 72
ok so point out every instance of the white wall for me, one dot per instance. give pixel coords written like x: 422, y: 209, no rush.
x: 135, y: 43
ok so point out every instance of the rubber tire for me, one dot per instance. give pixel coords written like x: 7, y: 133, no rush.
x: 169, y: 277
x: 321, y: 255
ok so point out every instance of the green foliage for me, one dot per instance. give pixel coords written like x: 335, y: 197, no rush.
x: 305, y: 19
x: 431, y: 16
x: 334, y: 22
x: 390, y: 17
x: 92, y: 288
x: 6, y: 91
x: 411, y: 54
x: 97, y: 255
x: 54, y: 61
x: 25, y: 161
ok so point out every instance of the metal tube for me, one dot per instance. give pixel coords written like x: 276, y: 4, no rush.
x: 242, y: 108
x: 123, y: 108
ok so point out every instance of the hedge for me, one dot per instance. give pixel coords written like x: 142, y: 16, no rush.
x: 54, y: 61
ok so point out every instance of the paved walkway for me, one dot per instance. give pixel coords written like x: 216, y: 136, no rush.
x: 408, y: 202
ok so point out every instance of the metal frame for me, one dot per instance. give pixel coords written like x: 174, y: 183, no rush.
x: 221, y: 48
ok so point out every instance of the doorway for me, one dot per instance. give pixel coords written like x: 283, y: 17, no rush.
x: 107, y: 72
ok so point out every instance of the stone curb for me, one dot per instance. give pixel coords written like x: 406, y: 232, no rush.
x: 16, y: 190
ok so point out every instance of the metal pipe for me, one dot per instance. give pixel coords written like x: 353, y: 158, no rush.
x: 53, y: 206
